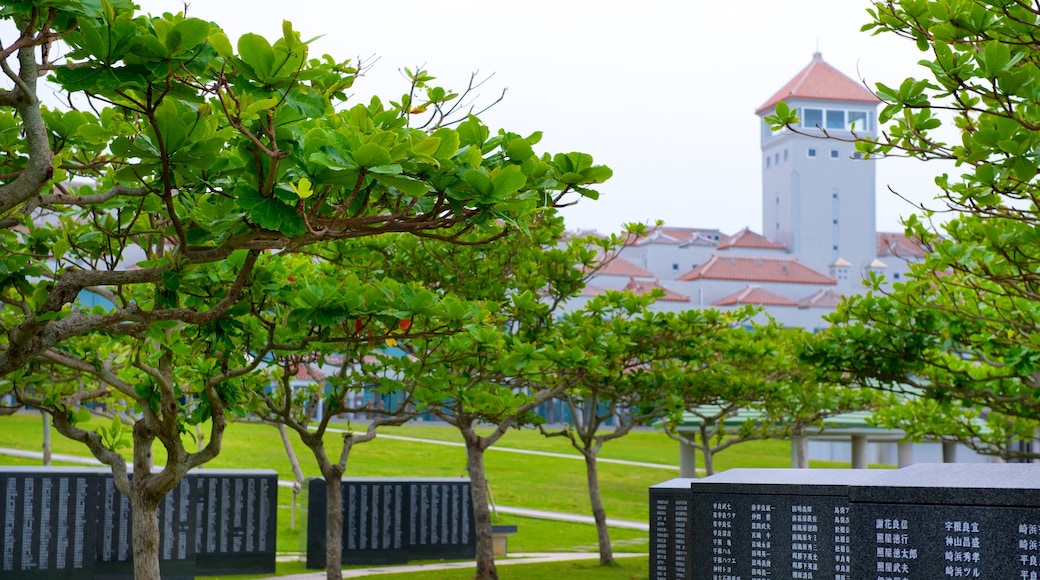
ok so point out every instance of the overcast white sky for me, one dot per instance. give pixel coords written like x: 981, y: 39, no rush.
x: 664, y: 92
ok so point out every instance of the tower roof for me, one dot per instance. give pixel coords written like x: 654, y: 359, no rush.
x: 820, y: 81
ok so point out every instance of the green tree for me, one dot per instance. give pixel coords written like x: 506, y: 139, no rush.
x: 962, y: 330
x: 632, y: 358
x: 181, y: 149
x: 155, y: 208
x: 499, y: 371
x: 335, y: 333
x: 754, y: 385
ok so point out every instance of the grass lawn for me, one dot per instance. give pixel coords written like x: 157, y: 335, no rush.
x: 516, y: 480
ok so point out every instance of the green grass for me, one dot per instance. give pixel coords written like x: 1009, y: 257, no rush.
x: 516, y: 480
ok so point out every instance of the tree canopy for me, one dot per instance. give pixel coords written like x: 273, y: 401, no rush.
x: 191, y: 204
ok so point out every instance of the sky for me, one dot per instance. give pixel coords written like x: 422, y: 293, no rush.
x: 663, y: 92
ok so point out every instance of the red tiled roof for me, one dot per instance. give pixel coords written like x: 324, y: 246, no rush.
x: 757, y: 270
x: 645, y: 286
x: 621, y: 267
x: 746, y: 238
x: 821, y: 81
x: 590, y: 290
x: 309, y: 373
x: 894, y: 244
x: 757, y: 296
x: 826, y: 298
x: 680, y: 236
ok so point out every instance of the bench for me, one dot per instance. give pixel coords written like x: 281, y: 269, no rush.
x: 500, y: 538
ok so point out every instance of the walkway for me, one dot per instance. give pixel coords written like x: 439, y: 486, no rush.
x: 529, y: 452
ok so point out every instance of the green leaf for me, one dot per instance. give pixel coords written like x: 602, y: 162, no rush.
x: 410, y: 186
x: 508, y: 181
x: 171, y: 280
x: 371, y: 155
x: 220, y: 43
x: 187, y: 33
x: 256, y: 52
x: 479, y: 181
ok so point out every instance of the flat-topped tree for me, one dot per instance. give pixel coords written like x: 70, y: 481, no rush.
x: 754, y: 385
x: 333, y: 333
x: 183, y: 148
x: 152, y: 387
x: 511, y: 360
x: 961, y: 330
x: 633, y: 356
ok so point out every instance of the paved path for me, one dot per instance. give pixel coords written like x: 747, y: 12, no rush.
x: 530, y: 452
x: 564, y: 517
x: 500, y: 561
x: 54, y: 456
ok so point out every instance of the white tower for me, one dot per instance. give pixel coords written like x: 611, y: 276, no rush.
x: 818, y: 194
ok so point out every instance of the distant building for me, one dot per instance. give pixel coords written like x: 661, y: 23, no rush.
x: 819, y: 239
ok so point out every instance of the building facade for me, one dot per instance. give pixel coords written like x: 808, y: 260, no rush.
x: 818, y: 240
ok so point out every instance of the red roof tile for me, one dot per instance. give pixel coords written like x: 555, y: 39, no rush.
x: 826, y: 298
x: 757, y: 270
x: 679, y: 236
x: 645, y: 286
x: 309, y: 373
x: 590, y: 290
x: 757, y: 296
x: 821, y: 81
x: 894, y: 244
x: 621, y: 267
x: 746, y: 238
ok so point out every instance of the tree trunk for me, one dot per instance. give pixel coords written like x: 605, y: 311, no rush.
x: 486, y: 569
x: 334, y: 525
x: 144, y: 512
x: 297, y: 473
x: 599, y: 513
x: 46, y: 438
x: 709, y: 461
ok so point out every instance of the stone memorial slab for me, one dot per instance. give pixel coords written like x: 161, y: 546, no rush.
x: 394, y: 520
x: 176, y: 532
x: 934, y: 521
x: 440, y: 520
x: 235, y: 521
x: 671, y: 530
x: 758, y: 524
x: 48, y: 517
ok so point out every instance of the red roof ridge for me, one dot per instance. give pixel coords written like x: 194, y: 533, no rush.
x: 641, y: 286
x: 821, y: 81
x: 824, y: 298
x: 752, y: 269
x: 754, y: 294
x: 746, y: 238
x: 618, y: 266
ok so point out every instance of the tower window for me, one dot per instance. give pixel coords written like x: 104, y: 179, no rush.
x: 859, y: 121
x: 776, y: 159
x: 812, y: 153
x: 812, y: 118
x: 835, y: 119
x: 767, y: 161
x: 834, y: 153
x: 675, y: 266
x: 785, y: 154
